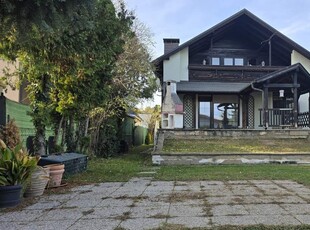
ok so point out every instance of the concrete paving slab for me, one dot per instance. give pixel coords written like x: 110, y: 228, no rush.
x: 13, y: 225
x: 225, y: 200
x: 149, y: 211
x: 150, y: 203
x: 48, y: 225
x: 265, y: 209
x: 238, y: 182
x: 44, y: 204
x: 142, y: 223
x: 233, y: 220
x: 297, y: 208
x: 94, y: 224
x: 229, y: 210
x: 300, y: 190
x: 60, y: 197
x: 190, y: 221
x: 289, y: 199
x: 82, y: 188
x: 105, y: 212
x: 219, y: 192
x: 24, y: 215
x: 111, y: 202
x: 273, y: 189
x: 245, y: 190
x: 129, y: 192
x: 189, y: 202
x: 188, y: 210
x: 145, y: 204
x: 276, y: 220
x: 81, y: 203
x: 104, y: 190
x: 63, y: 214
x: 304, y: 219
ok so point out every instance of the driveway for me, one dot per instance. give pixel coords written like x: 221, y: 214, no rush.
x: 142, y: 203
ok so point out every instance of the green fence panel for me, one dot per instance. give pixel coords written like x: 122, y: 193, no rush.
x: 139, y: 135
x: 21, y: 114
x: 127, y: 130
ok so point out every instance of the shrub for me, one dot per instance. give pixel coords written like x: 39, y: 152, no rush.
x: 10, y: 134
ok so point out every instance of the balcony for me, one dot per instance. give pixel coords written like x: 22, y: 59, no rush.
x: 283, y: 118
x: 242, y: 73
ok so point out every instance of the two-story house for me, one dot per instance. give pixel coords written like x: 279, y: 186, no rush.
x: 241, y: 73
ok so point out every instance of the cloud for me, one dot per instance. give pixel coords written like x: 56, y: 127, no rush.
x: 295, y: 27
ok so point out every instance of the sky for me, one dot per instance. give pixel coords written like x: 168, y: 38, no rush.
x: 185, y: 19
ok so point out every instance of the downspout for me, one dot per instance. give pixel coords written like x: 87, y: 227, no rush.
x: 263, y: 101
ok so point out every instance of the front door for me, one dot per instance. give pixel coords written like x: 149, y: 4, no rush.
x: 204, y: 112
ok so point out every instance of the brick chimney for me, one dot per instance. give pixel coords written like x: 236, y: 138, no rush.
x: 170, y: 44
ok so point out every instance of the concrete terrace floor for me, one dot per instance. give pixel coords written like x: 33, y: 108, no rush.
x: 142, y: 203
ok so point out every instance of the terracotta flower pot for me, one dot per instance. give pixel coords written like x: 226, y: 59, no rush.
x: 56, y: 173
x: 38, y: 182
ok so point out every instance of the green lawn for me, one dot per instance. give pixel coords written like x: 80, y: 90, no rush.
x: 298, y: 173
x: 127, y: 166
x: 235, y: 145
x: 255, y: 227
x: 120, y: 168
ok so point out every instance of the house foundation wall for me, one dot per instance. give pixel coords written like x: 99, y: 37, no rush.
x: 219, y: 159
x: 179, y: 134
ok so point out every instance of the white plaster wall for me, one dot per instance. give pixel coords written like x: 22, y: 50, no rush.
x: 303, y: 103
x: 176, y: 68
x: 12, y: 94
x: 298, y: 58
x: 303, y: 99
x: 178, y: 121
x: 258, y: 104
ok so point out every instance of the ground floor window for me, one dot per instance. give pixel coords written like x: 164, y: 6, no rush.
x: 219, y: 112
x: 204, y: 116
x: 225, y: 115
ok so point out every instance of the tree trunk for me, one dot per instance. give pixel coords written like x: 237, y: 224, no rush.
x: 39, y: 140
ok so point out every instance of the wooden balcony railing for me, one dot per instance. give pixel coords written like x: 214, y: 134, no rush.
x: 277, y: 117
x: 246, y: 73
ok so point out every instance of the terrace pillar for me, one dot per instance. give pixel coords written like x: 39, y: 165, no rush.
x: 265, y: 109
x: 295, y: 108
x: 309, y: 109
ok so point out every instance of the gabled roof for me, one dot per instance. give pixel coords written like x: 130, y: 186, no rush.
x: 284, y: 75
x: 285, y: 70
x: 272, y: 32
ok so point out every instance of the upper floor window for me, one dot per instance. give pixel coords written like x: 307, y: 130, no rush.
x: 228, y: 61
x: 215, y: 61
x: 239, y: 61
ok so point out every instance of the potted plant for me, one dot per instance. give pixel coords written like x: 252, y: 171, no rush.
x: 37, y: 182
x: 16, y: 167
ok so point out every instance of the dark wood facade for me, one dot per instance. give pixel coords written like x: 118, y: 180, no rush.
x: 244, y: 49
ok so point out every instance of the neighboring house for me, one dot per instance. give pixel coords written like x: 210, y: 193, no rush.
x: 13, y: 91
x: 241, y: 73
x: 145, y: 119
x: 2, y: 86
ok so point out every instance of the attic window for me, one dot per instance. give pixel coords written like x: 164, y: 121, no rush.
x: 239, y: 61
x: 228, y: 61
x: 215, y: 61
